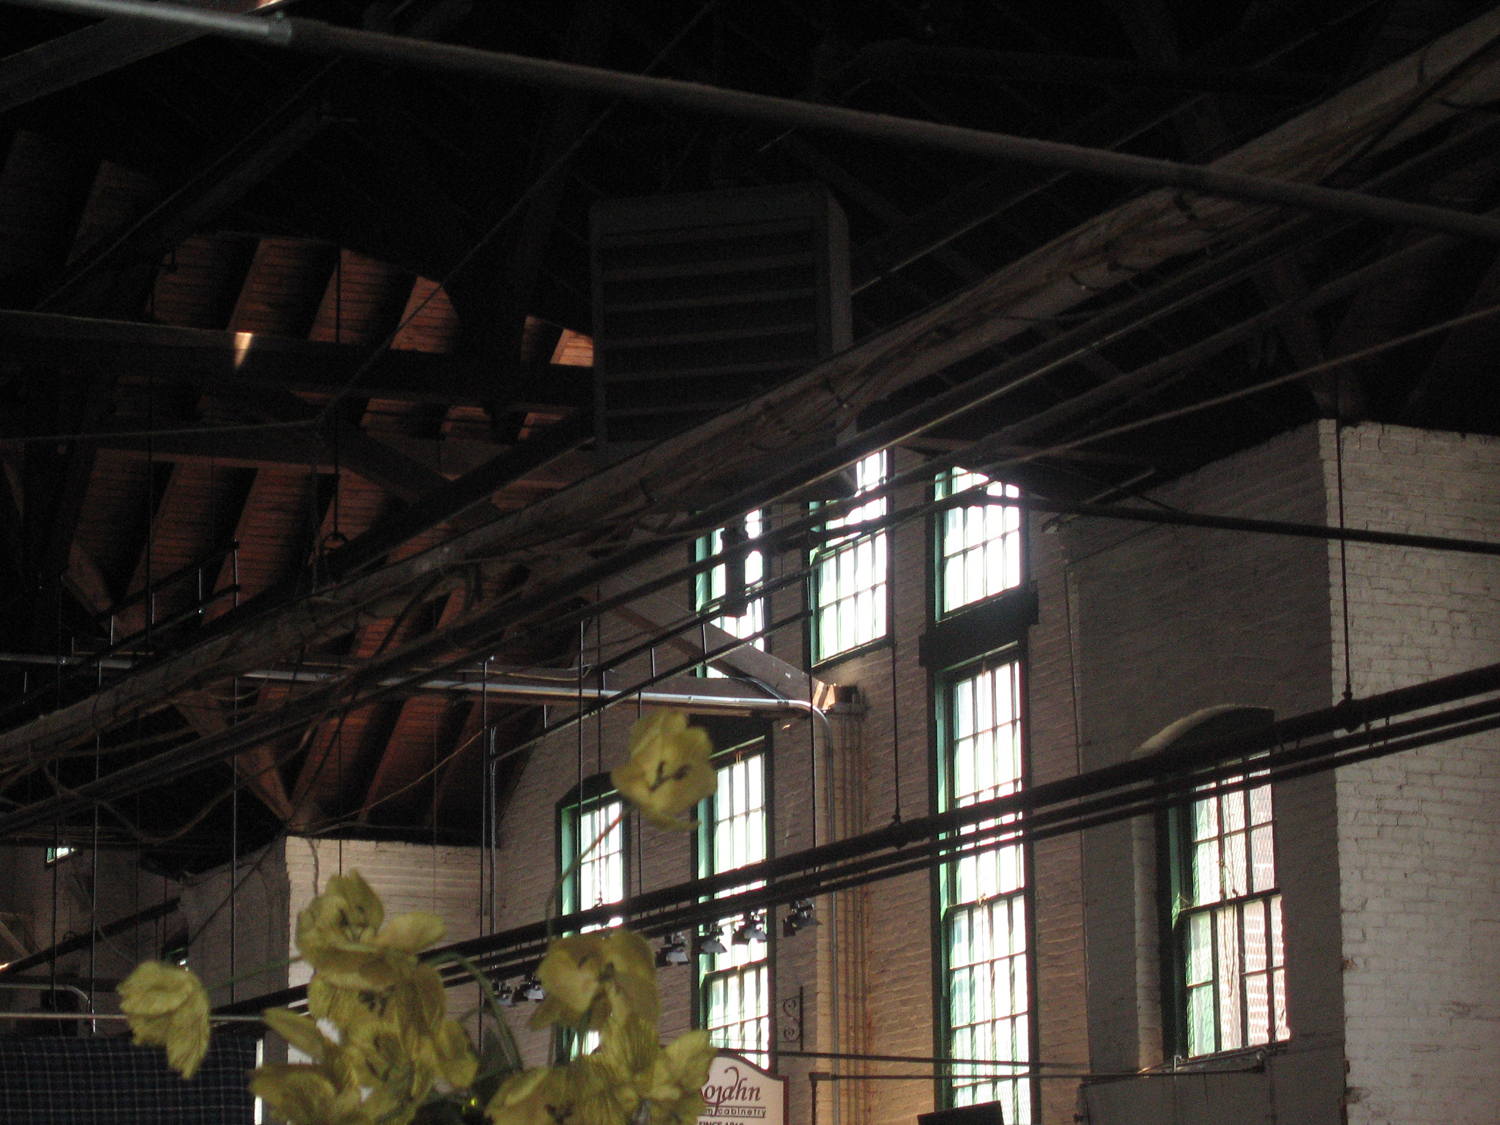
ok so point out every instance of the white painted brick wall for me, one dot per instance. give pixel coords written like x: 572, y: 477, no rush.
x: 1419, y: 833
x: 1168, y: 621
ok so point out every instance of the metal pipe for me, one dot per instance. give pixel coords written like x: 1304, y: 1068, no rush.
x: 214, y: 1017
x: 499, y: 687
x: 49, y: 986
x: 73, y: 944
x: 325, y: 39
x: 1045, y: 810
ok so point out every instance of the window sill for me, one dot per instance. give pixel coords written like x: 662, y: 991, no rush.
x: 853, y: 654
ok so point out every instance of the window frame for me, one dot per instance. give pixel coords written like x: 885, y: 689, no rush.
x: 702, y: 583
x: 592, y: 793
x: 747, y: 738
x: 936, y: 534
x: 819, y: 553
x: 1176, y: 848
x: 940, y: 794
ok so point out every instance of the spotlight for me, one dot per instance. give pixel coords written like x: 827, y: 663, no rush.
x: 752, y: 929
x: 505, y: 995
x: 800, y: 917
x: 712, y: 942
x: 675, y: 952
x: 532, y: 989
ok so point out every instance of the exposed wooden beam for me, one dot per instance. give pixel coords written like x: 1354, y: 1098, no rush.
x: 68, y: 60
x: 252, y: 361
x: 560, y: 539
x: 256, y: 767
x: 115, y: 278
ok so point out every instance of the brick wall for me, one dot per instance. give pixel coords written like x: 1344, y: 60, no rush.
x: 1419, y: 832
x: 1169, y: 621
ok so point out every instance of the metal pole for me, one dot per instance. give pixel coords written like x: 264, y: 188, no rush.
x: 325, y: 39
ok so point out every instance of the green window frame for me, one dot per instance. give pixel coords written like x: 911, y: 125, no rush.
x: 979, y: 548
x: 984, y: 900
x: 603, y: 876
x: 734, y: 830
x: 727, y: 585
x: 1227, y: 971
x: 850, y: 572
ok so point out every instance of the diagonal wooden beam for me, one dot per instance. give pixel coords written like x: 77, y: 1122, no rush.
x: 553, y: 537
x: 68, y: 60
x: 256, y: 767
x: 114, y: 278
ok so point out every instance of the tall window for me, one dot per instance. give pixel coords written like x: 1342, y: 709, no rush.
x: 1227, y: 923
x: 850, y: 572
x: 726, y: 586
x: 735, y: 985
x: 983, y: 901
x: 601, y: 876
x: 979, y: 545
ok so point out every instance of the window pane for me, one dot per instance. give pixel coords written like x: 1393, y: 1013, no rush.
x: 1231, y: 937
x: 736, y: 983
x: 1257, y: 1010
x: 984, y: 911
x: 749, y: 618
x: 851, y: 572
x: 1236, y: 866
x: 1226, y: 940
x: 979, y: 553
x: 1262, y: 859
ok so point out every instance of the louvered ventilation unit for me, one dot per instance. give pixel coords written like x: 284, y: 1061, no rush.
x: 703, y: 301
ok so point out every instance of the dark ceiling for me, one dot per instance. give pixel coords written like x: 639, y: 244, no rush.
x: 293, y: 297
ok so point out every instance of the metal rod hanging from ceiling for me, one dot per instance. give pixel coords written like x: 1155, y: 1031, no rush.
x: 1313, y: 742
x: 321, y: 38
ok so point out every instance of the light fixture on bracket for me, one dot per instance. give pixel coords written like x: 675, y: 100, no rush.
x: 505, y: 995
x: 753, y: 928
x: 532, y: 989
x: 712, y: 942
x: 800, y: 917
x: 674, y: 952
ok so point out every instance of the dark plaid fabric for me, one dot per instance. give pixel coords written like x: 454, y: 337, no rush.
x: 54, y: 1081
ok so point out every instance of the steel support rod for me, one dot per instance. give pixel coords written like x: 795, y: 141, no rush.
x: 81, y: 941
x: 321, y: 38
x: 1140, y: 786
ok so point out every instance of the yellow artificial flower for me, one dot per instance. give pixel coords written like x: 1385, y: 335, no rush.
x: 448, y: 1050
x: 310, y: 1095
x: 168, y: 1007
x: 602, y: 1093
x: 300, y: 1032
x: 668, y: 771
x: 676, y: 1089
x: 590, y: 977
x: 629, y: 1044
x: 343, y: 934
x: 543, y: 1095
x: 345, y: 1008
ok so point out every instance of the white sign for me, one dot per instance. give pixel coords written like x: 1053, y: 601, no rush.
x: 739, y: 1093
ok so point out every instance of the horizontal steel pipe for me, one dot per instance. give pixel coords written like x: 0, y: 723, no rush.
x: 326, y: 39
